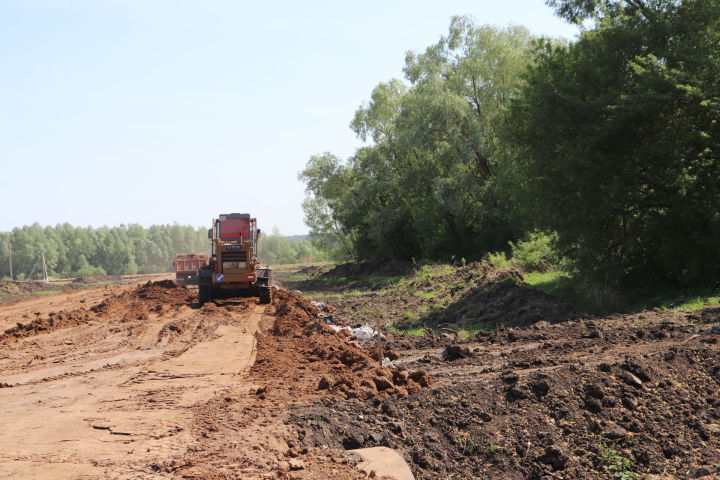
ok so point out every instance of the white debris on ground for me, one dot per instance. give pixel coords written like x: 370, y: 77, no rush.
x: 364, y: 334
x: 346, y: 330
x: 386, y: 362
x: 323, y: 315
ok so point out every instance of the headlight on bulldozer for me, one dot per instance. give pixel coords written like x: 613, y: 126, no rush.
x: 234, y: 265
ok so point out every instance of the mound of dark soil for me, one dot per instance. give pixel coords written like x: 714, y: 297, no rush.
x: 93, y: 279
x: 477, y: 294
x: 659, y: 410
x: 399, y: 341
x: 499, y: 297
x: 358, y: 270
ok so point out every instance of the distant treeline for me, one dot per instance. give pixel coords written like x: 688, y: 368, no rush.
x: 606, y: 147
x: 277, y: 249
x: 76, y: 251
x: 127, y: 249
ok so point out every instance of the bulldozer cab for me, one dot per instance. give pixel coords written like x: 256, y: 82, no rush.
x: 235, y: 228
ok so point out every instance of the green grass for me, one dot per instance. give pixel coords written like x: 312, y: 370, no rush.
x: 474, y: 330
x: 428, y: 295
x: 417, y: 331
x: 379, y: 281
x: 323, y: 296
x: 468, y: 444
x: 45, y: 292
x: 356, y: 293
x: 420, y: 331
x: 697, y: 303
x: 562, y: 286
x: 410, y: 317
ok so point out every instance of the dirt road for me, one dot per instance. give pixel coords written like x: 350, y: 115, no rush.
x: 114, y: 396
x: 137, y: 382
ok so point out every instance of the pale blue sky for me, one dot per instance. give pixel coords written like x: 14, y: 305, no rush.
x: 155, y: 111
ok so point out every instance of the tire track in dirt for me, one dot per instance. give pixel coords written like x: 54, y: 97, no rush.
x: 111, y: 394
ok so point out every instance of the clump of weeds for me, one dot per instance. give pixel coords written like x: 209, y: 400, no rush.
x: 614, y: 464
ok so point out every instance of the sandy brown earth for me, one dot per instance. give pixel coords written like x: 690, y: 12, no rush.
x: 21, y: 290
x: 139, y: 382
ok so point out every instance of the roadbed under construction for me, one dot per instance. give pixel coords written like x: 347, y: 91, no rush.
x: 140, y: 381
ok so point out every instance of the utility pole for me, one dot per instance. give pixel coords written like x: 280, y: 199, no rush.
x: 42, y: 254
x: 10, y: 257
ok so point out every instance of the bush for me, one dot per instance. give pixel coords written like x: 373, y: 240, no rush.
x: 536, y: 254
x: 498, y: 260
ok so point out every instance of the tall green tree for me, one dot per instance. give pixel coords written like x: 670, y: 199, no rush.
x: 425, y: 185
x: 327, y: 182
x: 618, y: 143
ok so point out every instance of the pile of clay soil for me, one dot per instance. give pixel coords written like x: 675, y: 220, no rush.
x: 133, y: 304
x: 301, y: 355
x: 150, y: 294
x: 562, y: 401
x: 54, y: 321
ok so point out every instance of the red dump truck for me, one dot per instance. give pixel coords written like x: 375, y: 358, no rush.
x: 186, y: 267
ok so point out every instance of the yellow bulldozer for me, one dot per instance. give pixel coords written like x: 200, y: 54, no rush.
x: 233, y: 269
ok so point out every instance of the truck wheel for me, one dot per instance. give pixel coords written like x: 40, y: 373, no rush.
x: 265, y: 294
x: 203, y: 293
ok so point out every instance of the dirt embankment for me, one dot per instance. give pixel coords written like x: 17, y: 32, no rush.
x: 298, y: 360
x: 429, y: 295
x: 496, y: 297
x: 302, y: 356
